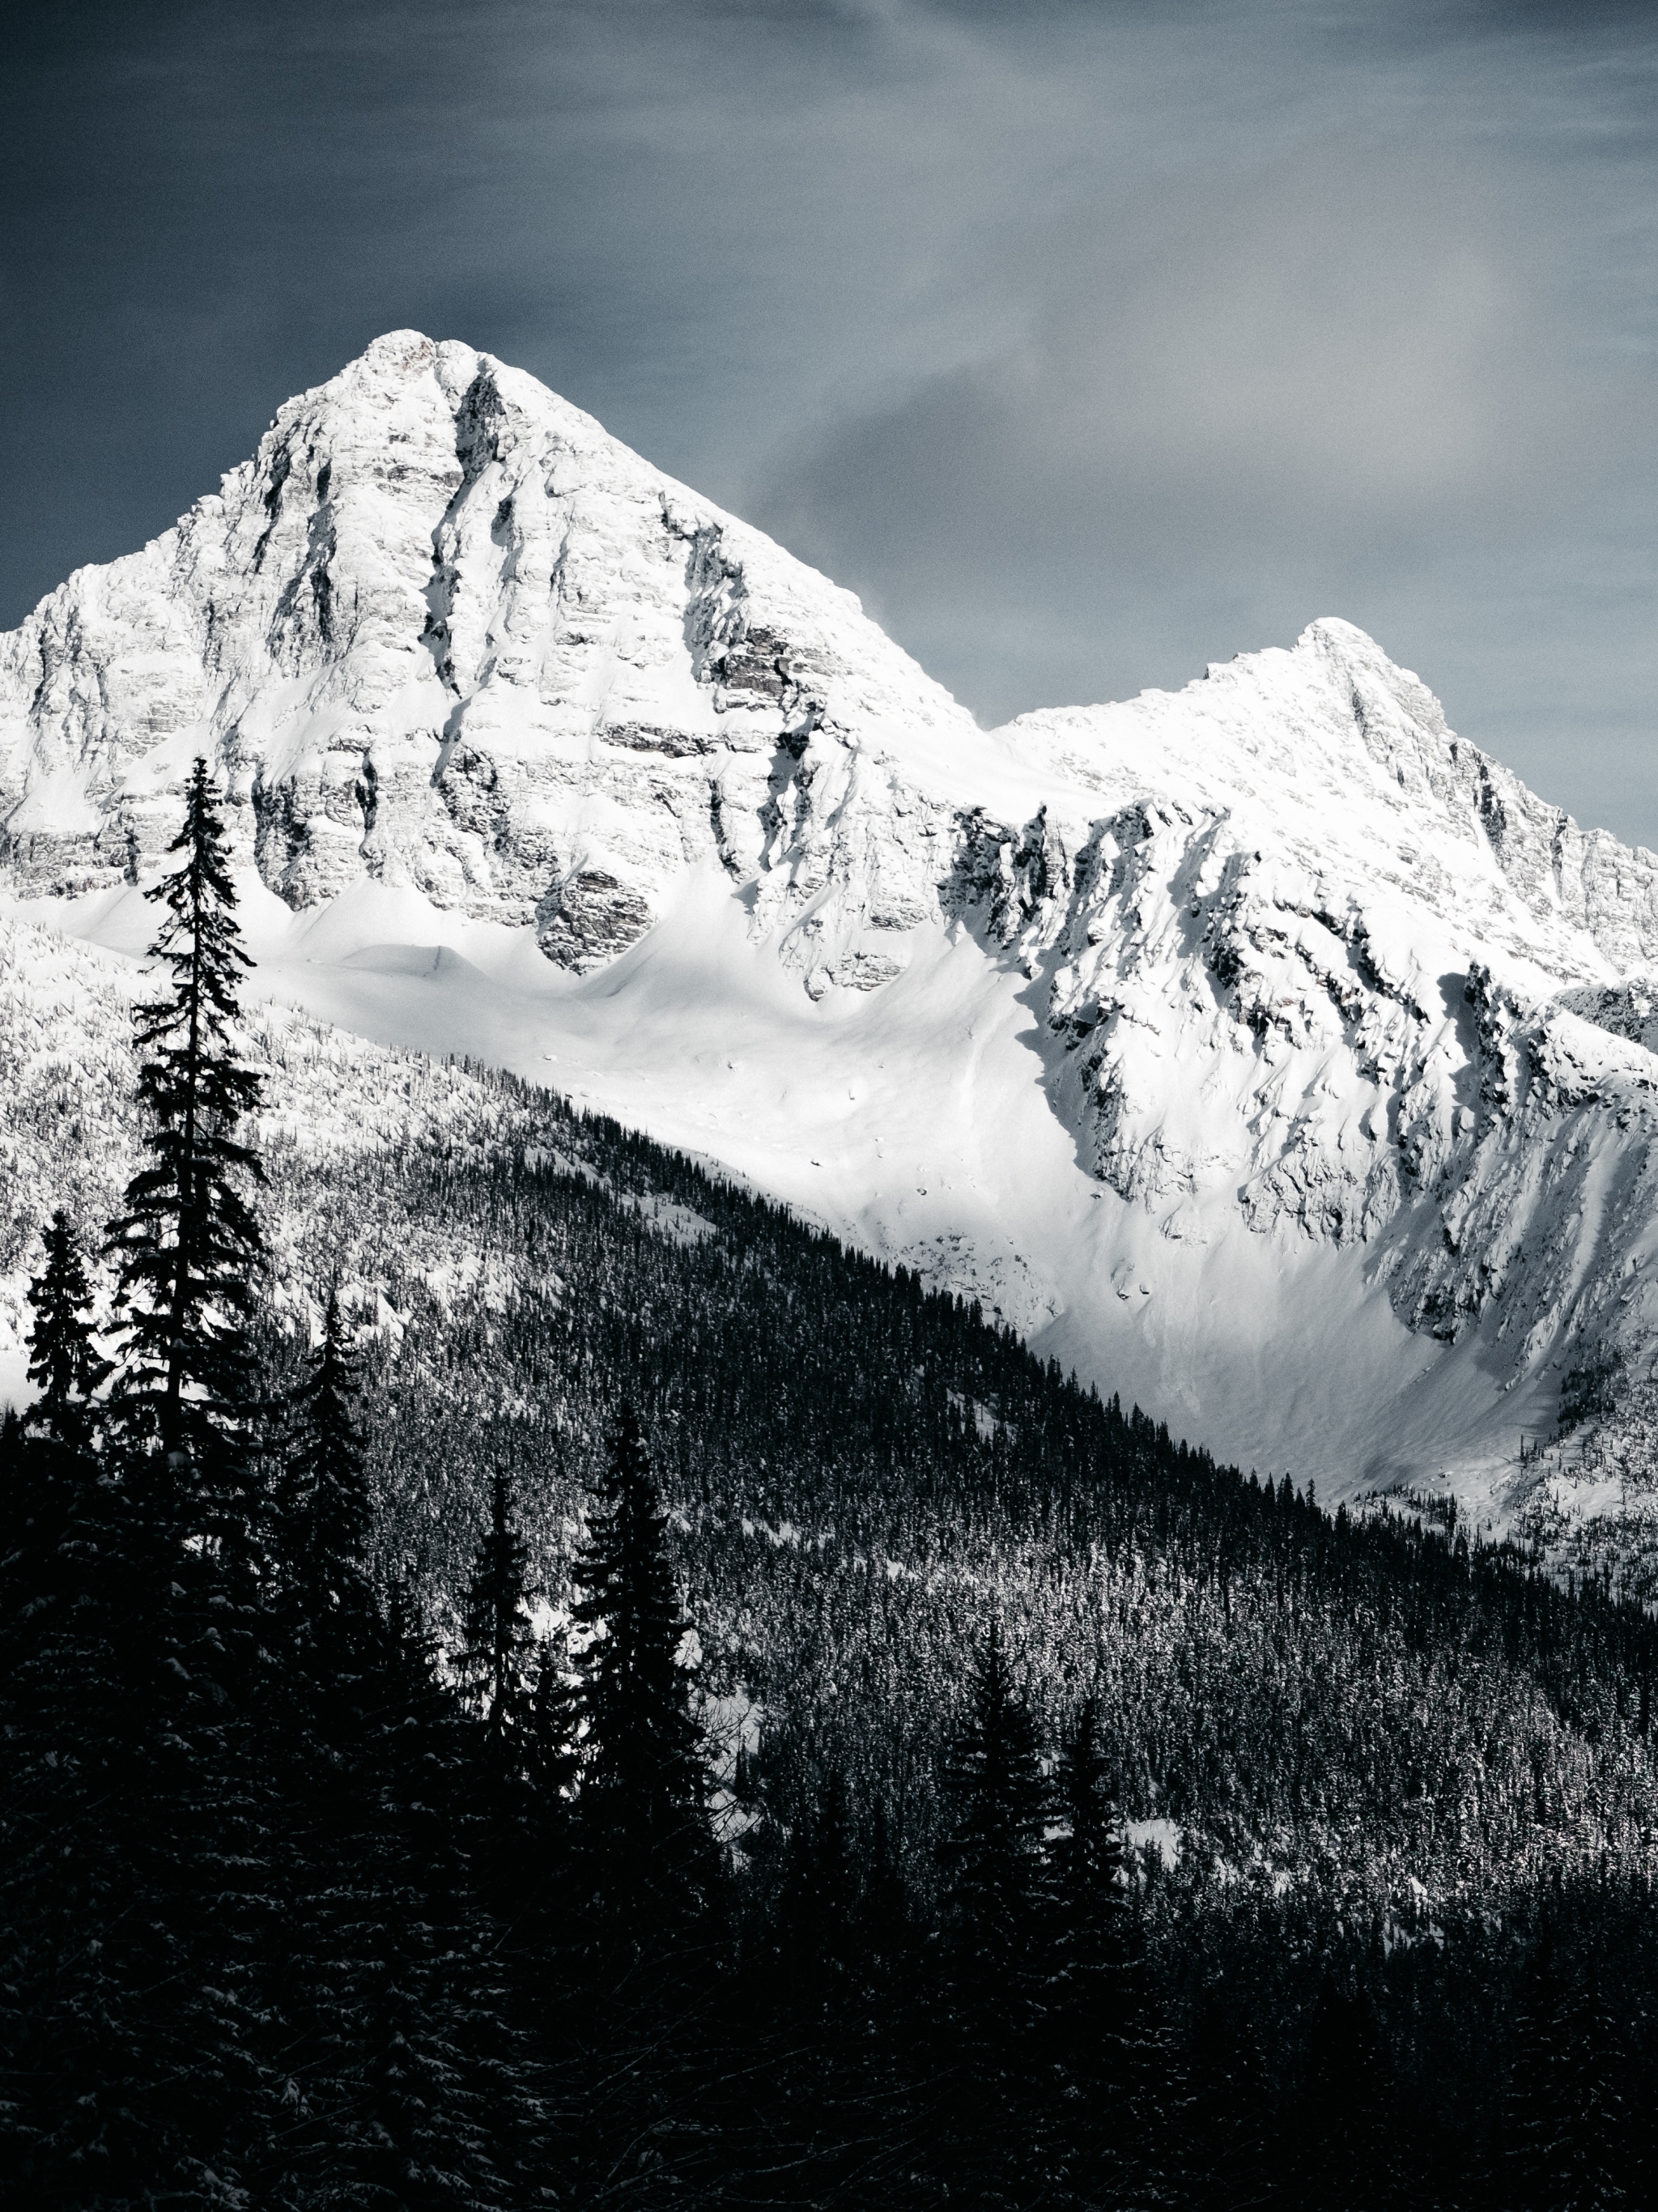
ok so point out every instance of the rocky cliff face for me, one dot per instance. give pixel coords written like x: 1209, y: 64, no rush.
x: 1305, y: 967
x: 442, y: 631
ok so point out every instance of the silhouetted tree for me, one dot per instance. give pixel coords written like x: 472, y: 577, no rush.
x: 324, y: 1501
x: 991, y: 1857
x: 64, y: 1364
x: 188, y: 1246
x: 645, y: 1786
x: 494, y: 1656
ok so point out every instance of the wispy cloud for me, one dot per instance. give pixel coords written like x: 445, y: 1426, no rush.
x: 1088, y: 339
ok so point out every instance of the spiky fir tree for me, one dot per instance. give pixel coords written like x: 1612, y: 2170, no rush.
x: 996, y: 1788
x: 48, y: 1473
x: 494, y: 1657
x: 1085, y: 1857
x: 1105, y: 2055
x: 188, y: 1245
x: 408, y: 2082
x: 161, y: 1789
x: 645, y: 1784
x: 986, y: 2128
x: 325, y: 1490
x: 64, y: 1364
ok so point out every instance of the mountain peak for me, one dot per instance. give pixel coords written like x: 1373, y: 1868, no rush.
x: 401, y: 629
x: 1254, y: 1045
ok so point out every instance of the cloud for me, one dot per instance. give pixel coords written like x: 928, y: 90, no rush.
x: 1368, y: 341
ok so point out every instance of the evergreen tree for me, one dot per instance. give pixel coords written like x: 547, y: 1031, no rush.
x: 136, y: 1828
x: 1087, y: 1879
x: 409, y: 2081
x: 998, y: 1798
x: 325, y: 1505
x: 54, y: 1525
x: 188, y: 1245
x: 990, y: 2131
x: 644, y: 1790
x: 817, y: 1911
x: 495, y: 1658
x: 149, y: 1813
x: 133, y: 1829
x: 64, y: 1364
x: 555, y: 1756
x: 1108, y: 2066
x: 886, y: 1919
x: 517, y: 1709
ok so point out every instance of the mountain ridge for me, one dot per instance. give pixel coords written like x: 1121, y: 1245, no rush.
x: 1216, y: 1038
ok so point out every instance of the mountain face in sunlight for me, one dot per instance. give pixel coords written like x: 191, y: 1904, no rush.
x: 1262, y: 1050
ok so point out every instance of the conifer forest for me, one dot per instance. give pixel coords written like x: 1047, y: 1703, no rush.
x: 694, y: 1718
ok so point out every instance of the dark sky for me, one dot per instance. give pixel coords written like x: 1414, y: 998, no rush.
x: 1088, y: 341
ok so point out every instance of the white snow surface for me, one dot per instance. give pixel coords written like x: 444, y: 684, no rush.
x: 1263, y: 1049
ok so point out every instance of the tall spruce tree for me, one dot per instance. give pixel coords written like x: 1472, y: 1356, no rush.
x: 495, y: 1660
x: 1111, y: 2065
x: 325, y: 1504
x: 188, y: 1245
x: 64, y: 1364
x: 1085, y: 1855
x: 645, y: 1786
x: 54, y: 1525
x: 409, y: 2081
x: 147, y: 1961
x: 989, y: 2130
x: 998, y: 1798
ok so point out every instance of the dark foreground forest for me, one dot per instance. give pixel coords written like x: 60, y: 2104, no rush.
x: 686, y: 1717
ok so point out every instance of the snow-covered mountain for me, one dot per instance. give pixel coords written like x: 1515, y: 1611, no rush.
x: 1263, y: 1049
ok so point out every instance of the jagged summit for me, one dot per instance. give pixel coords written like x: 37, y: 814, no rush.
x: 434, y: 612
x: 1344, y: 757
x: 1264, y: 1048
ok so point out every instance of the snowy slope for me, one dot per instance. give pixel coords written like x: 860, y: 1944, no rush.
x: 1263, y: 1049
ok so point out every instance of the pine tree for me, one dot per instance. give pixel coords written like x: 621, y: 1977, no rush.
x: 999, y: 1796
x: 149, y: 1810
x: 989, y: 2128
x: 1112, y: 2061
x: 817, y: 1908
x: 325, y: 1506
x: 65, y: 1363
x: 54, y: 1525
x: 517, y: 1821
x: 1085, y: 1857
x: 494, y: 1661
x: 135, y: 1863
x: 408, y: 2080
x: 188, y: 1245
x: 644, y: 1790
x: 555, y: 1755
x: 120, y: 2034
